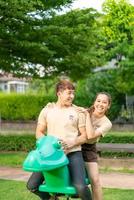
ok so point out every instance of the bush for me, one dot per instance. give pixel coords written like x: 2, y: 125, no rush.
x: 22, y: 107
x: 27, y: 142
x: 117, y: 139
x: 101, y: 82
x: 17, y: 143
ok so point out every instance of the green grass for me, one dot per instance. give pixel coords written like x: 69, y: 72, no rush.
x: 16, y: 190
x: 15, y: 159
x: 118, y: 194
x: 12, y: 159
x: 121, y: 133
x: 118, y: 170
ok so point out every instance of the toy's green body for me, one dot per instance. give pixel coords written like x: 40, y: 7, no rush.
x: 50, y: 159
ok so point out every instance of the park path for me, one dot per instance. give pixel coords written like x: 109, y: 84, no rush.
x: 109, y: 180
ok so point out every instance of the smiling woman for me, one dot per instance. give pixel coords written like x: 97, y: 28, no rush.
x: 101, y: 124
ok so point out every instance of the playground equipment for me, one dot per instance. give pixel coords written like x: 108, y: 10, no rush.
x: 50, y: 159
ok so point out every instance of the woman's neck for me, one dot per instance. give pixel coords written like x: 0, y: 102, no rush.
x: 97, y: 115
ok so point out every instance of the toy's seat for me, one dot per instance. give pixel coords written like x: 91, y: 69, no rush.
x: 50, y: 159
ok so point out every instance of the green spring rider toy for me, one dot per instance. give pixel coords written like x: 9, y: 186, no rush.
x: 49, y: 158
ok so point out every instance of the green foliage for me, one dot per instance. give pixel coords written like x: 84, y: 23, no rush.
x: 34, y: 39
x: 118, y: 139
x: 17, y: 143
x: 126, y: 73
x: 42, y: 86
x: 118, y: 30
x: 28, y: 106
x: 118, y: 19
x: 22, y: 34
x: 103, y: 81
x: 27, y: 142
x: 22, y: 107
x: 78, y: 38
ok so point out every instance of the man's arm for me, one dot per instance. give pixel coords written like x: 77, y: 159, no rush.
x: 81, y: 139
x: 42, y: 123
x: 40, y: 130
x: 71, y: 143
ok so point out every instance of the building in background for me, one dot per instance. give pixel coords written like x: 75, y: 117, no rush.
x: 9, y: 83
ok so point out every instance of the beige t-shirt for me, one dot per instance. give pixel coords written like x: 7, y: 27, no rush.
x: 103, y: 125
x: 62, y: 123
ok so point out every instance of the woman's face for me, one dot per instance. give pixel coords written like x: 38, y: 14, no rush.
x: 101, y: 104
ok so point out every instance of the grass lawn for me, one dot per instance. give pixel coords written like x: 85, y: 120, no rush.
x: 12, y: 159
x: 16, y: 190
x: 15, y: 159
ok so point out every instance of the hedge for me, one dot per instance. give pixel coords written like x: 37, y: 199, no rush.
x: 118, y: 139
x: 25, y: 107
x: 27, y: 142
x: 22, y: 107
x: 17, y: 143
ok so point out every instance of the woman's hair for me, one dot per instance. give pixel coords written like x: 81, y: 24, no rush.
x: 63, y: 85
x: 91, y: 108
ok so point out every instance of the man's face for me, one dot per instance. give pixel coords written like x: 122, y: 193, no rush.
x: 66, y: 97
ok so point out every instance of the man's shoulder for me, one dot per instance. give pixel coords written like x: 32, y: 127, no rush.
x: 50, y: 105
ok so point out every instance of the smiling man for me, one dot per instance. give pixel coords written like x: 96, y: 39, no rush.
x: 62, y: 120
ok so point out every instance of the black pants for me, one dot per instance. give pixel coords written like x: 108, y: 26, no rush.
x: 77, y: 174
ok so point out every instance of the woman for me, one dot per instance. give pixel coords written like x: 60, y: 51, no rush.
x: 101, y: 124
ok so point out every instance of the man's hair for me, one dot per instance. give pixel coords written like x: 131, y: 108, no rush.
x: 63, y: 85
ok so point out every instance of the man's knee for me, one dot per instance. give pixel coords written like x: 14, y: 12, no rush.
x: 31, y: 187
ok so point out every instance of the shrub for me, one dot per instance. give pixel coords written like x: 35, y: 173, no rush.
x: 27, y: 142
x: 17, y: 142
x: 117, y: 139
x: 22, y: 107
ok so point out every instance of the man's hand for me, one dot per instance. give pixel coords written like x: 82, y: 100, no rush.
x: 67, y: 145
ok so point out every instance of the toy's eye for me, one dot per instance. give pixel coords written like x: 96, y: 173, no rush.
x: 57, y: 145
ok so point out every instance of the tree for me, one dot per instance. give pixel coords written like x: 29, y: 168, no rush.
x: 21, y: 23
x: 103, y: 81
x: 118, y: 26
x: 35, y: 40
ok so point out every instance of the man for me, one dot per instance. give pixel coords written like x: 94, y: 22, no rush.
x: 62, y: 120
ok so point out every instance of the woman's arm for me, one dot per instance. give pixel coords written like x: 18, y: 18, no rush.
x: 104, y: 128
x: 89, y: 128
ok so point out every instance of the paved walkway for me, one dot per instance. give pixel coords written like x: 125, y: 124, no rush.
x: 109, y: 180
